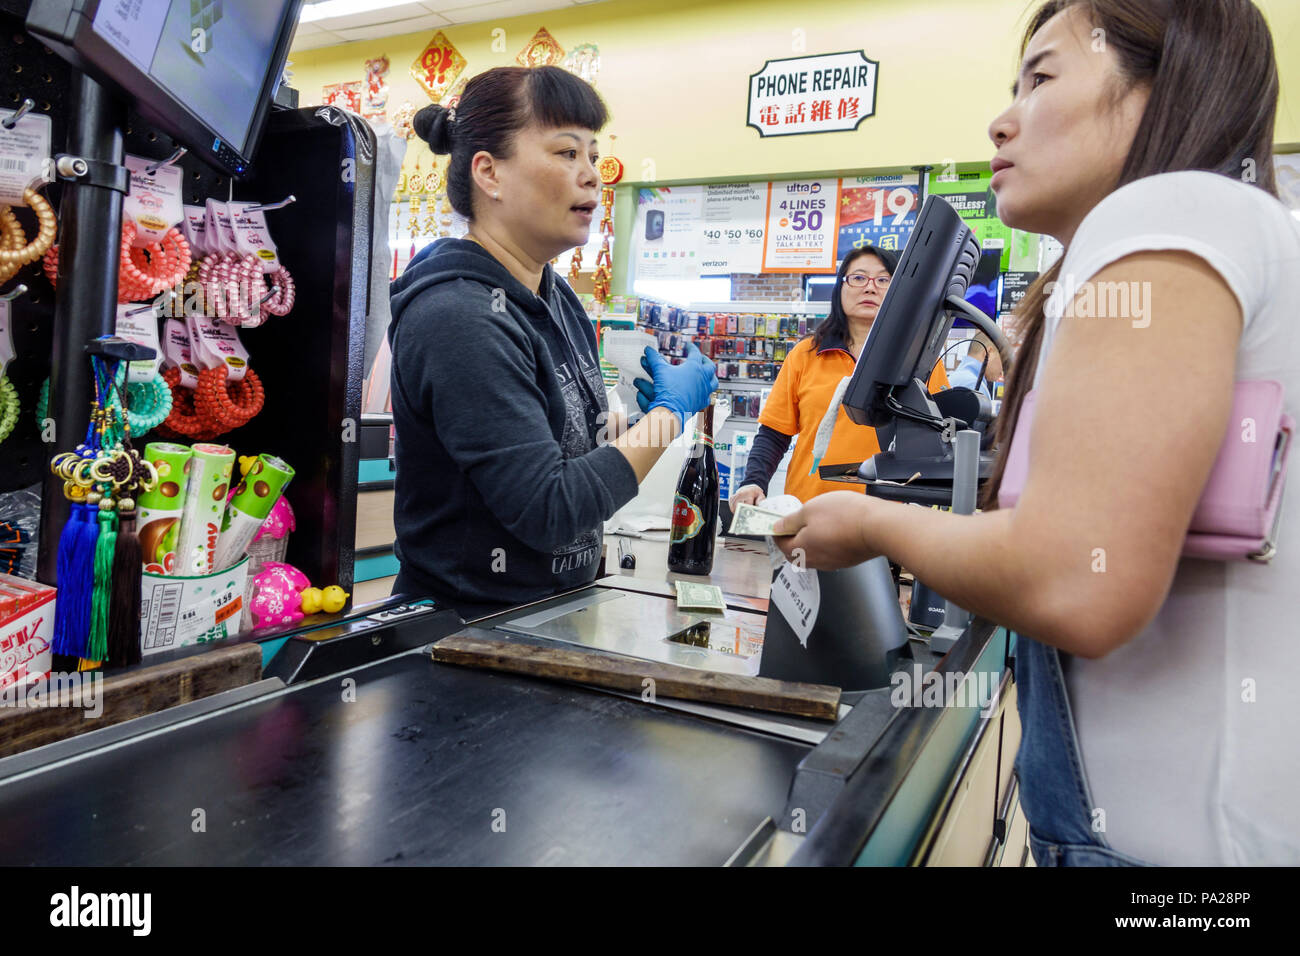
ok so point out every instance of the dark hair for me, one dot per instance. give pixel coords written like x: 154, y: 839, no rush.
x: 1213, y: 94
x: 495, y: 106
x: 836, y: 324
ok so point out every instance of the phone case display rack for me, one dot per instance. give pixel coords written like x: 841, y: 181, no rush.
x: 309, y: 361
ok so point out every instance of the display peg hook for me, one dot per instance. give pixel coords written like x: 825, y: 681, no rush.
x: 169, y: 161
x: 27, y: 106
x: 157, y: 305
x: 14, y: 293
x: 267, y: 206
x: 270, y: 295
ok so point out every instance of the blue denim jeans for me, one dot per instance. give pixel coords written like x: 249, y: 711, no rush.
x: 1053, y: 786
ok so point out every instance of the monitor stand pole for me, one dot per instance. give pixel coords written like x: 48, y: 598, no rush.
x: 966, y: 454
x: 90, y: 220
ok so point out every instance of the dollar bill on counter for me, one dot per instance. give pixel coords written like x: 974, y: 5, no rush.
x: 700, y: 596
x: 748, y: 519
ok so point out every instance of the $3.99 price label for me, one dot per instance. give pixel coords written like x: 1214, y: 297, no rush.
x: 802, y: 226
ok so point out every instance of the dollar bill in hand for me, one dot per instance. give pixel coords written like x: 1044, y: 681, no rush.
x: 703, y: 596
x: 747, y: 519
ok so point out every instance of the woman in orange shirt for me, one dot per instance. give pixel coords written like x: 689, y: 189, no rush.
x: 807, y: 380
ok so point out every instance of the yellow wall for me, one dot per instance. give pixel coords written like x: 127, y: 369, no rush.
x: 674, y: 74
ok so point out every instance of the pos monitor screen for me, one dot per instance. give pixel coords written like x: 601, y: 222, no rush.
x: 909, y: 332
x: 204, y: 71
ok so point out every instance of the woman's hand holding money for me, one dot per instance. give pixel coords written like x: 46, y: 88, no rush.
x: 829, y: 531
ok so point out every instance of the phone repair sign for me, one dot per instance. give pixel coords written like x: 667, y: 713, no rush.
x: 812, y: 94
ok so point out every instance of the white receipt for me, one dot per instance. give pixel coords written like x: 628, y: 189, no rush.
x: 624, y: 349
x: 798, y: 596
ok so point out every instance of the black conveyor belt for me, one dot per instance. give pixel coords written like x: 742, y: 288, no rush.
x: 413, y: 772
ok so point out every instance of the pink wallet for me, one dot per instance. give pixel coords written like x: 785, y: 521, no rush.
x: 1240, y: 508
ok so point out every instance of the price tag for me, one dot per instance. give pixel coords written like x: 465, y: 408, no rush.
x: 219, y: 229
x: 154, y: 202
x: 138, y: 324
x: 251, y: 235
x: 207, y: 615
x: 214, y: 344
x: 24, y: 156
x: 194, y: 227
x: 177, y: 352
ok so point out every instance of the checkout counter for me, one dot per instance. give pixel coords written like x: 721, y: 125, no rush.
x: 356, y: 748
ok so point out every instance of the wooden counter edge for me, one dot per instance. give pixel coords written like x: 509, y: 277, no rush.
x: 134, y: 693
x: 818, y: 701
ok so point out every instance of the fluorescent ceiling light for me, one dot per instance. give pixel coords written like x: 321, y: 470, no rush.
x: 344, y: 8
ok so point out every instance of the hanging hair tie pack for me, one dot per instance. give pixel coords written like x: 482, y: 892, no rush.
x: 236, y: 292
x: 9, y: 409
x: 142, y: 273
x: 215, y: 407
x: 15, y: 251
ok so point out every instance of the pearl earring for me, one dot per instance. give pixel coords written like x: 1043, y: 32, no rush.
x: 496, y: 196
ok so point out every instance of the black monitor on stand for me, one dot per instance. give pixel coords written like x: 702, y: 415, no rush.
x: 888, y: 390
x: 205, y: 71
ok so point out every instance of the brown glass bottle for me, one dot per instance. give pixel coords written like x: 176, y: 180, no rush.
x: 695, y: 506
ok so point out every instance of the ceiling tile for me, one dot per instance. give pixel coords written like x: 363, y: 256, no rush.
x: 458, y: 11
x: 428, y: 21
x: 314, y: 41
x: 393, y: 14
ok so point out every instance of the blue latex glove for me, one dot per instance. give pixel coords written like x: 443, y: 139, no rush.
x: 682, y: 389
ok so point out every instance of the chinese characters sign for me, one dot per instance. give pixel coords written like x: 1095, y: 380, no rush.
x: 812, y: 94
x: 344, y: 95
x: 437, y: 67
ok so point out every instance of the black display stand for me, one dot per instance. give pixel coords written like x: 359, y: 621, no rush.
x: 309, y: 361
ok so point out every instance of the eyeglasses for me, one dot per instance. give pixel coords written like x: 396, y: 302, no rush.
x: 859, y: 279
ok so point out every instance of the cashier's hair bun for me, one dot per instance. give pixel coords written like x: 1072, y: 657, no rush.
x: 433, y: 125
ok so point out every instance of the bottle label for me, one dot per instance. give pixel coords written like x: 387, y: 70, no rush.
x: 687, y: 520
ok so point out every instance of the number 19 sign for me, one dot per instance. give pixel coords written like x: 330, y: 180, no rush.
x: 802, y: 225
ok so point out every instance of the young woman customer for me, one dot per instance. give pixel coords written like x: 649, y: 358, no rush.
x: 1156, y: 693
x: 806, y: 384
x: 508, y: 462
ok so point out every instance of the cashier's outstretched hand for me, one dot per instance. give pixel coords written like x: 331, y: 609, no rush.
x: 828, y: 532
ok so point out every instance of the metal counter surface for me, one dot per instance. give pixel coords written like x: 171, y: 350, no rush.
x: 416, y: 771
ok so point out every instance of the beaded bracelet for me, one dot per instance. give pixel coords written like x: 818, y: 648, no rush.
x: 8, y: 407
x: 15, y: 251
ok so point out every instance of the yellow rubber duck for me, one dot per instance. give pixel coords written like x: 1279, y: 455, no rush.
x: 311, y: 600
x: 333, y: 599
